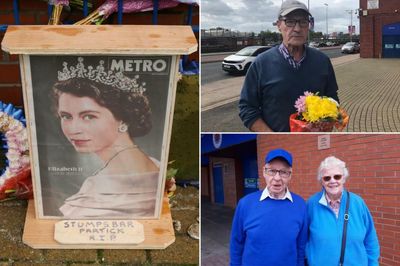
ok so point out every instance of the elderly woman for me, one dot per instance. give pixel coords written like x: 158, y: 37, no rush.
x: 326, y: 214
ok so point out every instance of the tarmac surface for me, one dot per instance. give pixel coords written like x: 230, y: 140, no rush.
x: 184, y: 251
x: 369, y: 90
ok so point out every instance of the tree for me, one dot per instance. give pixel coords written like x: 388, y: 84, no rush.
x: 269, y: 37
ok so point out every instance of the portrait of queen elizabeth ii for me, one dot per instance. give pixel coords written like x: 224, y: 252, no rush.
x: 100, y: 125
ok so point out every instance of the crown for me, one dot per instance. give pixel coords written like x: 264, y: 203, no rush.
x: 98, y: 74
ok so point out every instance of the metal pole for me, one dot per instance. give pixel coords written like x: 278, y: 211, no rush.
x: 326, y: 21
x: 308, y: 37
x: 351, y: 24
x: 120, y: 11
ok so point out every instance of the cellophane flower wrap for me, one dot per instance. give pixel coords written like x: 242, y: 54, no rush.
x: 317, y: 114
x: 15, y: 178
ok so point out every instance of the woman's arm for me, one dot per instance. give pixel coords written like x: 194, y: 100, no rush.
x: 371, y: 242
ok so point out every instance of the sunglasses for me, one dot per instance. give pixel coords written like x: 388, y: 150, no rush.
x: 328, y: 178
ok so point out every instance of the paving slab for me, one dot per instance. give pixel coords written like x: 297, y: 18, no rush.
x: 216, y: 222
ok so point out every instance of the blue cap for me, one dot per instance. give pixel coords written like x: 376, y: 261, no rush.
x: 279, y: 153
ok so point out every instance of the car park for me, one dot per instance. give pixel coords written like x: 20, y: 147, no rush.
x: 241, y: 61
x: 350, y: 48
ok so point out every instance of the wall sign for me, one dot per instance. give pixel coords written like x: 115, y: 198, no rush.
x: 324, y: 142
x: 373, y: 4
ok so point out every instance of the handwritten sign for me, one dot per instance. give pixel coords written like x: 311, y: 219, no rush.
x: 99, y: 232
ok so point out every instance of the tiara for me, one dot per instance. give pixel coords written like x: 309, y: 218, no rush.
x: 98, y: 74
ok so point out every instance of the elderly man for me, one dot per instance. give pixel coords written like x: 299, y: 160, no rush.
x: 270, y: 226
x: 283, y: 73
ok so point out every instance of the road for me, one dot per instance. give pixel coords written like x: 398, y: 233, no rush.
x: 211, y: 72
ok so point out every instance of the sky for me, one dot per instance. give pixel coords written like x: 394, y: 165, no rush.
x: 258, y: 15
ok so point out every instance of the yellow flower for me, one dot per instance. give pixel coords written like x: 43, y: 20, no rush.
x: 318, y: 108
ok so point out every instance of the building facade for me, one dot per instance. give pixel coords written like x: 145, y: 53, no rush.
x: 380, y: 28
x: 228, y: 167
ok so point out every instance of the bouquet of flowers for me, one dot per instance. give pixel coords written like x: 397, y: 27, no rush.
x: 129, y: 6
x: 317, y: 114
x: 56, y: 12
x: 15, y: 178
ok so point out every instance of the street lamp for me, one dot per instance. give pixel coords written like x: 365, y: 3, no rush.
x: 326, y: 20
x: 308, y: 7
x: 351, y: 24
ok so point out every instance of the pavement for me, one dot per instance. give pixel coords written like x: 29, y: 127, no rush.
x: 369, y: 90
x: 216, y: 223
x: 184, y: 251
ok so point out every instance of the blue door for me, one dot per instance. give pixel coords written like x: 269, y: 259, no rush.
x: 250, y: 174
x: 391, y: 41
x: 218, y: 184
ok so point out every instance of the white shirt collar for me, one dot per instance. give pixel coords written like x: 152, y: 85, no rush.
x: 265, y: 194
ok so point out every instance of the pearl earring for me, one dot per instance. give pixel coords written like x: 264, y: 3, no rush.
x: 123, y: 128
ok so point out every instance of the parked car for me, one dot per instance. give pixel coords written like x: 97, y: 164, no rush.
x: 330, y: 44
x: 350, y: 48
x: 313, y: 45
x: 241, y: 61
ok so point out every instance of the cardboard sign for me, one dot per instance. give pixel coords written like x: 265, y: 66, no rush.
x: 99, y: 232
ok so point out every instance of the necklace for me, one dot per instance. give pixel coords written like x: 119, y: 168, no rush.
x: 112, y: 157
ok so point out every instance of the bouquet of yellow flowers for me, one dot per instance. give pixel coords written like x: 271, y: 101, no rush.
x: 317, y: 114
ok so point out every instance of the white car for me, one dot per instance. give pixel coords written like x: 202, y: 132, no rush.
x: 241, y: 61
x: 351, y: 47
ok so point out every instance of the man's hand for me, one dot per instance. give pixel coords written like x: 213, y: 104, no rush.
x: 260, y: 126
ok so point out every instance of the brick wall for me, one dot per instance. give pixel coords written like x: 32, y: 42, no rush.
x: 374, y: 166
x: 229, y: 180
x: 205, y: 185
x: 35, y: 12
x: 371, y: 26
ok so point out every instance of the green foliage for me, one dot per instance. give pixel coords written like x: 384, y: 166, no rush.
x: 184, y: 148
x: 270, y: 37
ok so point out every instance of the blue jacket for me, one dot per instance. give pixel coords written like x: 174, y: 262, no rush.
x: 325, y: 233
x: 272, y: 86
x: 269, y: 232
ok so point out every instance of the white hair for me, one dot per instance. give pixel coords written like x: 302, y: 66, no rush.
x: 331, y: 162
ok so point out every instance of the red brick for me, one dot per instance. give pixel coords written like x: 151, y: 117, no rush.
x: 6, y: 57
x: 28, y: 5
x: 9, y: 94
x: 9, y: 73
x: 42, y: 18
x: 373, y: 174
x: 6, y: 5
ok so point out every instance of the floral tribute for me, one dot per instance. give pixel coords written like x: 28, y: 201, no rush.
x: 15, y: 178
x: 317, y: 114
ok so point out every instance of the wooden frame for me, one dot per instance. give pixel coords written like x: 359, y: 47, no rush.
x: 44, y: 51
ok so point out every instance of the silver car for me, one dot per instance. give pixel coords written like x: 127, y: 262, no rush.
x: 350, y: 48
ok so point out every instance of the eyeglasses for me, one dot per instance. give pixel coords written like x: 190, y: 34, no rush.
x: 273, y: 172
x: 303, y: 23
x: 328, y: 178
